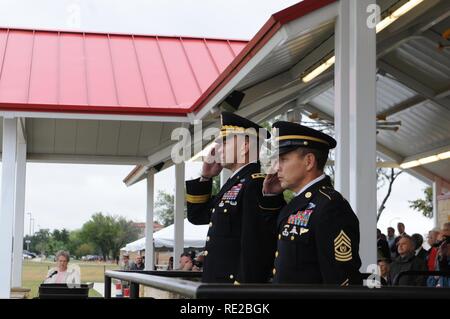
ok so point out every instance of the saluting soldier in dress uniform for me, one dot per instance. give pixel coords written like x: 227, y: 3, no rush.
x: 241, y: 240
x: 318, y: 232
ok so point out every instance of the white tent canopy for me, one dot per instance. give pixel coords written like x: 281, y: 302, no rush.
x: 194, y: 237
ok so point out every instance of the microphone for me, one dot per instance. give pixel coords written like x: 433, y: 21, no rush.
x: 52, y: 274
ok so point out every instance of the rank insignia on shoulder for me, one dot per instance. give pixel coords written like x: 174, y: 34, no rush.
x: 342, y: 247
x: 325, y: 192
x: 258, y: 175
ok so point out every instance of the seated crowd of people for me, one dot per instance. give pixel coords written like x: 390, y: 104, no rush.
x: 189, y: 261
x: 397, y: 254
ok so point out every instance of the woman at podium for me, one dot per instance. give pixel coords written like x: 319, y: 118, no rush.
x: 63, y: 273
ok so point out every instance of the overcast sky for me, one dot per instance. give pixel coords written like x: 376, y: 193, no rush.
x: 66, y: 195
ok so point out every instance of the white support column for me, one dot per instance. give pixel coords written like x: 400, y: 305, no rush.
x: 224, y: 176
x: 7, y: 203
x: 341, y: 98
x: 19, y: 214
x: 437, y: 189
x: 362, y: 121
x: 149, y: 248
x: 179, y: 214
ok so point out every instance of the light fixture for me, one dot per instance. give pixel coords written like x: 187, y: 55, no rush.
x: 380, y: 26
x: 397, y: 14
x: 405, y: 8
x: 384, y: 23
x: 444, y: 155
x: 320, y: 69
x: 429, y: 159
x: 409, y: 164
x: 425, y: 160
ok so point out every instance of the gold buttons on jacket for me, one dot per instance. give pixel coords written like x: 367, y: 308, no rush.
x: 210, y: 224
x: 279, y: 236
x: 213, y: 210
x: 225, y: 210
x: 274, y: 271
x: 208, y: 238
x: 276, y: 254
x: 308, y: 195
x: 292, y: 237
x: 231, y: 277
x: 205, y: 253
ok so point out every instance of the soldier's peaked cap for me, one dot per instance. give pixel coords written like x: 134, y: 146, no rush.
x: 292, y: 136
x: 235, y: 124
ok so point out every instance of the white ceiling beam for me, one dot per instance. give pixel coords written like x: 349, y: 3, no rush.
x: 406, y: 104
x: 312, y: 58
x: 431, y: 152
x: 413, y: 84
x: 86, y: 159
x: 411, y: 102
x: 303, y: 91
x: 21, y: 131
x: 107, y: 117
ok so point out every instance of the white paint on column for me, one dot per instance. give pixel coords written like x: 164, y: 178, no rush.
x: 179, y: 214
x: 362, y: 111
x: 149, y: 248
x: 19, y: 215
x: 7, y: 203
x: 341, y: 98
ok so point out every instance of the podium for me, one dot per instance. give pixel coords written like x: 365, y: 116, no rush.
x: 64, y: 291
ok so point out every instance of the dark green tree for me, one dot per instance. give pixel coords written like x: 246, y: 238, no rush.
x: 127, y: 232
x: 165, y: 208
x: 101, y: 230
x: 424, y: 205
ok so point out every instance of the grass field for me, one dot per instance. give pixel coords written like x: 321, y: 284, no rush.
x: 34, y: 273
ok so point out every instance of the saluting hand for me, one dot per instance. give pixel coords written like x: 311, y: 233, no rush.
x: 211, y: 166
x: 272, y: 184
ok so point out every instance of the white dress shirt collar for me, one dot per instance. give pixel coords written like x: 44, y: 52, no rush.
x: 311, y: 183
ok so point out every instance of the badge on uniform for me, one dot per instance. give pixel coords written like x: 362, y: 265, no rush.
x: 293, y: 231
x: 342, y: 247
x: 301, y: 218
x: 233, y: 193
